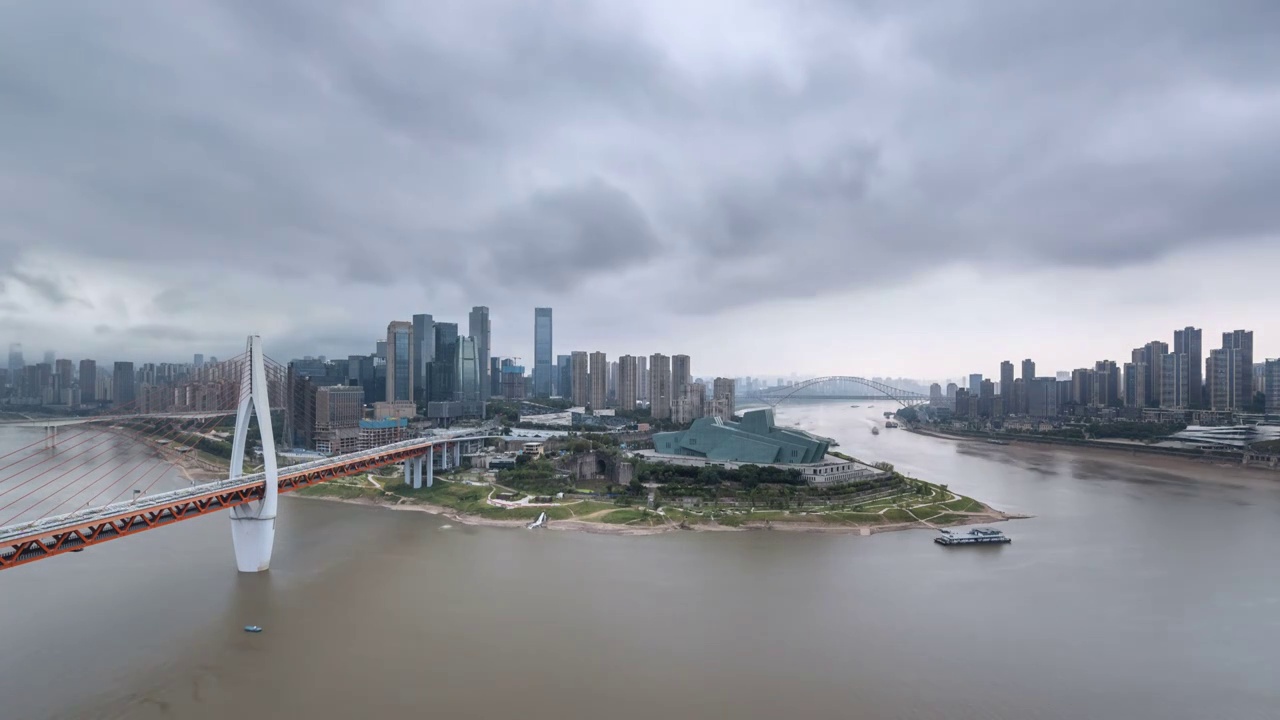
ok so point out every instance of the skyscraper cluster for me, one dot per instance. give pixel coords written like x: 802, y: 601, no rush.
x: 1157, y: 376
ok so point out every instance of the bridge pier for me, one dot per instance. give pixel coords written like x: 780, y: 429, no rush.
x: 417, y: 473
x: 457, y: 454
x: 431, y: 465
x: 253, y: 525
x: 444, y: 457
x: 408, y: 472
x: 50, y: 437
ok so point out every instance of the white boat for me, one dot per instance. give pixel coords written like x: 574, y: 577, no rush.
x: 875, y: 430
x: 540, y: 522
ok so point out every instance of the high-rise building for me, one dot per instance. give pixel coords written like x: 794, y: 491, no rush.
x: 599, y: 380
x: 400, y: 361
x: 1271, y: 380
x: 16, y: 363
x: 467, y: 380
x: 495, y: 376
x: 49, y: 356
x: 63, y: 374
x: 1006, y: 388
x: 478, y: 329
x: 1241, y: 341
x: 680, y: 375
x: 627, y: 382
x: 691, y: 404
x: 1175, y: 381
x: 543, y: 375
x: 580, y: 383
x: 564, y: 376
x: 380, y: 349
x: 975, y: 384
x: 1028, y: 374
x: 88, y: 381
x: 1224, y: 371
x: 122, y: 389
x: 424, y: 351
x: 660, y: 386
x: 642, y: 378
x: 1133, y: 384
x: 1150, y: 358
x: 1106, y: 384
x: 1187, y: 341
x: 723, y: 398
x: 1042, y: 397
x: 198, y: 360
x: 442, y: 386
x: 611, y: 388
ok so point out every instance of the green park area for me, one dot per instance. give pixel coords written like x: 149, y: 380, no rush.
x: 666, y: 496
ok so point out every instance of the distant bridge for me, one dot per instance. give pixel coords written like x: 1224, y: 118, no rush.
x: 837, y: 387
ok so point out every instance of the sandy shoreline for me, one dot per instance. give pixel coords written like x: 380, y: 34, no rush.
x: 1200, y: 470
x: 991, y: 516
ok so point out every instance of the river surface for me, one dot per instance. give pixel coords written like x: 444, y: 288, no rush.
x: 1135, y: 592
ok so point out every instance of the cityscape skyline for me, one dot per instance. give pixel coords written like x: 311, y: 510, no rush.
x: 497, y: 330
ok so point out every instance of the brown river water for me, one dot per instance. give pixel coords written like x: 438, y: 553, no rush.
x: 1139, y: 589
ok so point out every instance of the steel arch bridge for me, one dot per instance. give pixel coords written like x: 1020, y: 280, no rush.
x: 775, y: 396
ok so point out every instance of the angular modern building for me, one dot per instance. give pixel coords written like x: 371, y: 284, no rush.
x: 754, y: 440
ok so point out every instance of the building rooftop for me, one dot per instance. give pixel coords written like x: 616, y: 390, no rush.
x: 756, y: 439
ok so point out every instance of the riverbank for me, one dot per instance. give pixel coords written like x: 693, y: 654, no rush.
x: 1189, y: 469
x: 471, y: 502
x: 1217, y: 458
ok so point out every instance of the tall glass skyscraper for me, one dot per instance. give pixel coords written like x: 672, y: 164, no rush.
x: 424, y: 351
x: 443, y: 369
x: 543, y: 369
x: 478, y: 329
x: 400, y: 361
x: 467, y: 380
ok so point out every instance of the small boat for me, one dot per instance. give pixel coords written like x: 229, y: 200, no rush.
x: 854, y: 406
x: 252, y: 628
x: 975, y: 536
x: 890, y: 424
x: 540, y: 522
x: 875, y: 430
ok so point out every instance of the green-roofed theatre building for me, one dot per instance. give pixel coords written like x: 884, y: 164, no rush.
x: 756, y: 440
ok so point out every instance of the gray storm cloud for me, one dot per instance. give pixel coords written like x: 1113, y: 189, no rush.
x: 551, y: 142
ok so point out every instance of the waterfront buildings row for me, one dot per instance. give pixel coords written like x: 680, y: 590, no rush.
x: 1157, y: 376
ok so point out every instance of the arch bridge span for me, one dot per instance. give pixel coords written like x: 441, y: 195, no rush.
x: 775, y: 396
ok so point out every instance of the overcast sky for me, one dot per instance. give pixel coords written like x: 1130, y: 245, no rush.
x: 866, y: 188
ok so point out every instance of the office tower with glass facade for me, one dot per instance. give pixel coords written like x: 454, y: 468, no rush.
x: 478, y: 329
x: 400, y: 365
x: 543, y: 372
x: 424, y: 351
x: 467, y: 379
x: 564, y: 377
x: 442, y: 385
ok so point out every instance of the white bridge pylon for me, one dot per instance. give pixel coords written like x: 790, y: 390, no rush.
x: 253, y: 525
